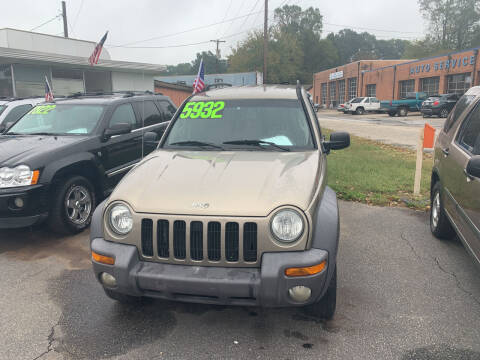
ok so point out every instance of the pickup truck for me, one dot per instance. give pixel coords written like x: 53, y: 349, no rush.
x: 412, y: 102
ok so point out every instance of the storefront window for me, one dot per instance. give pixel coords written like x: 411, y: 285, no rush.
x: 430, y: 85
x: 372, y: 90
x: 30, y: 80
x: 6, y: 88
x: 459, y: 83
x: 332, y: 86
x: 352, y: 88
x: 324, y: 93
x: 341, y: 91
x: 67, y: 81
x: 406, y: 86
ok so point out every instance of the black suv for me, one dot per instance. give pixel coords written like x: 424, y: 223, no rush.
x: 60, y: 159
x: 439, y: 105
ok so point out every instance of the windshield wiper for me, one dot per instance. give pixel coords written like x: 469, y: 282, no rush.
x: 196, y: 143
x: 258, y: 143
x: 44, y: 133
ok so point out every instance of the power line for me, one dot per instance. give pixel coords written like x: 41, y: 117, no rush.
x: 76, y: 16
x: 185, y: 31
x: 226, y: 13
x: 46, y: 22
x: 244, y: 21
x: 364, y: 28
x: 238, y: 12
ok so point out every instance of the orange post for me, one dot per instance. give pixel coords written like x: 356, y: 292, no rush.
x: 428, y: 136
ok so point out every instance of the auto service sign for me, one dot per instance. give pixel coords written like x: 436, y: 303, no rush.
x: 335, y: 75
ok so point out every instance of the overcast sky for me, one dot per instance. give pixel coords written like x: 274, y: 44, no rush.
x: 130, y: 21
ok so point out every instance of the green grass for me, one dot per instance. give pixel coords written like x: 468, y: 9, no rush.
x: 378, y: 174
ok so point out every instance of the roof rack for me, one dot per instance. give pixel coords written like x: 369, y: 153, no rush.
x: 126, y: 93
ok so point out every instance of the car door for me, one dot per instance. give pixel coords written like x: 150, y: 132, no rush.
x: 465, y: 190
x: 122, y: 152
x: 152, y: 120
x: 366, y: 104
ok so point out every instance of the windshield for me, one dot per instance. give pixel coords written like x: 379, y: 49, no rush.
x: 2, y: 108
x: 278, y: 122
x: 59, y: 120
x: 357, y: 100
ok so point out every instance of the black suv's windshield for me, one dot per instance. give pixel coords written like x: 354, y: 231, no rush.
x: 247, y: 124
x: 61, y: 119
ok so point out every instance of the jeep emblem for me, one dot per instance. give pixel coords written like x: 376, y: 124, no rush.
x: 199, y: 205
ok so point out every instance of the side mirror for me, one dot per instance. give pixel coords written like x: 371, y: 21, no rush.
x: 117, y: 129
x: 150, y: 137
x: 473, y: 167
x: 338, y: 140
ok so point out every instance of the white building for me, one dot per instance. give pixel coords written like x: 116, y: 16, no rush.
x: 26, y: 58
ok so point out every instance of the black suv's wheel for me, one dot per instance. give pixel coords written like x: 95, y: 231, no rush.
x: 443, y: 113
x: 325, y: 308
x: 439, y: 223
x: 391, y: 113
x: 359, y: 111
x: 122, y: 298
x: 402, y: 111
x: 73, y: 205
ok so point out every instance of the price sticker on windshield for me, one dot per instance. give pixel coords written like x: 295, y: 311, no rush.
x: 203, y: 110
x: 42, y: 109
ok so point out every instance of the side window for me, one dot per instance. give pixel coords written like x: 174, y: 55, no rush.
x: 16, y: 113
x: 123, y: 114
x: 469, y: 137
x: 168, y: 110
x: 148, y: 112
x: 460, y: 106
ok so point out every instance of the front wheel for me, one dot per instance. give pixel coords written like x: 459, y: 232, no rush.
x: 439, y: 223
x: 72, y: 206
x: 390, y: 113
x: 360, y: 111
x: 325, y: 308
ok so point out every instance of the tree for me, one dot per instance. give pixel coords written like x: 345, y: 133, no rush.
x: 453, y: 24
x: 210, y: 62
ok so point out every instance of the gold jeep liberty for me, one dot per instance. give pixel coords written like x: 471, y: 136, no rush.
x: 232, y: 208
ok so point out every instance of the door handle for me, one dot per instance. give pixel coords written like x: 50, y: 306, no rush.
x: 446, y: 151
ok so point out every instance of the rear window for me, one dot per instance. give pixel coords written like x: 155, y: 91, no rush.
x: 459, y: 108
x: 281, y: 122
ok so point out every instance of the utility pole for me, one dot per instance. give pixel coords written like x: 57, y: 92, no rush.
x: 265, y: 43
x: 218, y: 41
x: 64, y: 16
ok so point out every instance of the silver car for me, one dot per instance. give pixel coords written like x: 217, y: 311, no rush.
x: 455, y: 186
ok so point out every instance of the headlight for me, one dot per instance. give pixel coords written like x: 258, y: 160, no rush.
x: 18, y: 176
x: 287, y: 225
x: 120, y: 219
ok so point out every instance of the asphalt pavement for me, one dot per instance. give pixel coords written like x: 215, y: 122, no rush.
x: 402, y: 295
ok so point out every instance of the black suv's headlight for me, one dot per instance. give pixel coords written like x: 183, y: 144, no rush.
x: 120, y: 219
x: 287, y: 225
x: 20, y: 175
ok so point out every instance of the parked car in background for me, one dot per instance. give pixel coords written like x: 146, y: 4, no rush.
x: 439, y: 105
x: 60, y: 159
x: 13, y: 109
x: 412, y: 102
x: 343, y: 107
x: 455, y: 186
x: 361, y: 105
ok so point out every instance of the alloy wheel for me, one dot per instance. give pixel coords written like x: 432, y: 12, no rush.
x: 78, y: 204
x: 435, y: 210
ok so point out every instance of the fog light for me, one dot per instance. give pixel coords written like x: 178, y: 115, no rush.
x: 19, y: 203
x: 300, y: 293
x: 108, y: 280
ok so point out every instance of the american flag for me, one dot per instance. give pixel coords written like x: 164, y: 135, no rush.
x: 199, y: 83
x: 93, y: 59
x: 48, y: 91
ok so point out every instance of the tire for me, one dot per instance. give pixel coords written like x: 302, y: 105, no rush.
x: 122, y: 298
x: 360, y: 111
x: 443, y: 113
x: 325, y: 307
x: 439, y: 223
x: 402, y: 111
x: 72, y: 207
x: 391, y: 113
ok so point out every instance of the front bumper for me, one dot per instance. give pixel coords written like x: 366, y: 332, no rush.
x: 430, y: 111
x: 265, y: 286
x: 34, y: 210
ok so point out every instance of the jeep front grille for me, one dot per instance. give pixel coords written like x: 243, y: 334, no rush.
x: 199, y: 241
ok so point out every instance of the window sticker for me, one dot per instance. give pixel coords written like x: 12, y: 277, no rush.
x: 203, y: 110
x: 42, y: 109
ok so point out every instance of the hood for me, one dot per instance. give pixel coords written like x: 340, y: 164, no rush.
x: 21, y: 149
x: 244, y: 183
